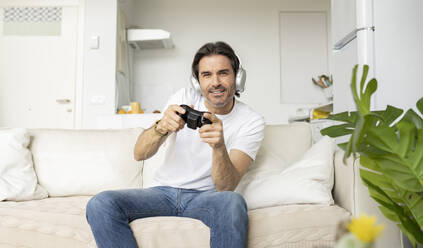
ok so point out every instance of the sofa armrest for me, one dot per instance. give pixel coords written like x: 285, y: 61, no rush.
x: 343, y: 189
x: 350, y: 193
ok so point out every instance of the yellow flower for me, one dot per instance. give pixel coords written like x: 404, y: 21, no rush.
x: 364, y: 228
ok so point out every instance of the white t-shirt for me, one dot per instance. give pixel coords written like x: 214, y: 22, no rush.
x: 188, y: 161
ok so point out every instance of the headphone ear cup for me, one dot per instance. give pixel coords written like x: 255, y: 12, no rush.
x: 240, y: 79
x: 195, y: 84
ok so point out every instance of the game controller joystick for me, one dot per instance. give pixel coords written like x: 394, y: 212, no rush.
x: 194, y: 118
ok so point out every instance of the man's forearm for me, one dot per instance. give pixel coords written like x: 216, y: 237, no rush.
x: 148, y: 143
x: 150, y: 140
x: 224, y: 174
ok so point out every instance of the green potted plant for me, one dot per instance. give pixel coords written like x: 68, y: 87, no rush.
x: 390, y: 148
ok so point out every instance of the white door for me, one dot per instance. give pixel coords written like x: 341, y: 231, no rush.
x: 38, y: 74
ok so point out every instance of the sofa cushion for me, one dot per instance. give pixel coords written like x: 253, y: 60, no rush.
x: 48, y: 223
x: 60, y: 222
x: 295, y: 226
x: 181, y: 232
x: 85, y: 162
x: 18, y: 181
x: 304, y: 226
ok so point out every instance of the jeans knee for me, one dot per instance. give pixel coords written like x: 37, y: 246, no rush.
x: 235, y: 204
x: 102, y: 203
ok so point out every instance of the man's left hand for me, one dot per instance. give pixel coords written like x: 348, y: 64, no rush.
x: 212, y: 134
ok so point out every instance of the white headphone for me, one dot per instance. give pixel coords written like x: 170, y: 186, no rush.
x: 240, y: 77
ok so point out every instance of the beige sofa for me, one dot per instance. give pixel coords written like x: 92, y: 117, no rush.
x: 72, y: 165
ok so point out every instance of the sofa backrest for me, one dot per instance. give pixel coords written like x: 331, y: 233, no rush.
x: 281, y: 146
x: 85, y: 162
x: 286, y: 142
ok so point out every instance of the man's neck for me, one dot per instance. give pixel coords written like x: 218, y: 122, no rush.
x: 220, y: 110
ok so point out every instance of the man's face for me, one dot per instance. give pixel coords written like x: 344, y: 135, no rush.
x: 217, y: 82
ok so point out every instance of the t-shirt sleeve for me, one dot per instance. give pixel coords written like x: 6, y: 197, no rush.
x: 250, y: 136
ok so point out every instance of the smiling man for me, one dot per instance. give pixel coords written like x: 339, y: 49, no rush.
x: 202, y: 166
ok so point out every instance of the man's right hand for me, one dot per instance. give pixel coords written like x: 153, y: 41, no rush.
x: 171, y: 121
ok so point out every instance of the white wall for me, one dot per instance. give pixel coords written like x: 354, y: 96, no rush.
x: 398, y: 52
x: 99, y: 64
x: 344, y: 19
x: 251, y: 27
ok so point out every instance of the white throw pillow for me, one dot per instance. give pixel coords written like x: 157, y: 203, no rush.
x: 18, y: 181
x: 85, y: 162
x: 307, y: 181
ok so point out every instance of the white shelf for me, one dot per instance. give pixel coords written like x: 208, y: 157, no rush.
x: 149, y: 38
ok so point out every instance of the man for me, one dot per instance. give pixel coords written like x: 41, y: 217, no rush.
x: 203, y: 166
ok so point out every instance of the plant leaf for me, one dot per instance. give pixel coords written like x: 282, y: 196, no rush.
x: 338, y: 130
x: 369, y: 163
x: 414, y: 203
x: 383, y: 137
x: 391, y: 114
x: 353, y: 87
x: 414, y: 118
x: 400, y: 174
x: 407, y: 133
x: 412, y: 227
x: 371, y: 87
x: 415, y: 157
x: 363, y: 79
x: 383, y: 183
x: 350, y: 117
x: 389, y: 214
x: 363, y: 124
x: 377, y: 179
x: 419, y: 105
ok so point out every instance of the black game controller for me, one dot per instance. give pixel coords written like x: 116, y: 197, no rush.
x: 194, y: 118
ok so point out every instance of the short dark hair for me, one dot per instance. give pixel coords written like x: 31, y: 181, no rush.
x: 220, y: 48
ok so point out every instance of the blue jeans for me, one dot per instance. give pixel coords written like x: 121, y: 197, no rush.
x: 110, y: 212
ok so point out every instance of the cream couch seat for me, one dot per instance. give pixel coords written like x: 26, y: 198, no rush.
x: 73, y: 165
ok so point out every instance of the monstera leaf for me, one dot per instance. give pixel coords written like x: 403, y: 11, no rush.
x: 391, y: 152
